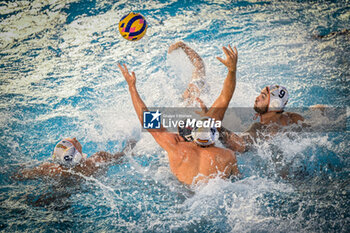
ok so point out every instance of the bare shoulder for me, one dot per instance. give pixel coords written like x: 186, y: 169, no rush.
x: 45, y: 169
x: 226, y: 154
x: 51, y: 167
x: 167, y: 140
x: 294, y: 118
x: 226, y: 161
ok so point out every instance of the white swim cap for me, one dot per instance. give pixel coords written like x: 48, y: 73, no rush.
x: 278, y: 98
x: 205, y: 136
x: 66, y: 154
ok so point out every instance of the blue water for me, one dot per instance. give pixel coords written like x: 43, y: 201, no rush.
x: 59, y: 78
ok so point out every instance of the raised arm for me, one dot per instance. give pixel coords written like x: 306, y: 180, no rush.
x: 195, y: 59
x: 220, y: 105
x: 165, y: 139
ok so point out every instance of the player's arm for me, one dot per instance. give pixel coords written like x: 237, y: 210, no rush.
x: 44, y: 170
x: 233, y: 141
x: 220, y: 105
x: 295, y: 117
x: 195, y: 59
x: 165, y: 139
x: 229, y: 139
x: 106, y: 157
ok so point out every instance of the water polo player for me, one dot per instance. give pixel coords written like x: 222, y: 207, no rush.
x: 69, y: 161
x: 269, y: 106
x: 200, y: 159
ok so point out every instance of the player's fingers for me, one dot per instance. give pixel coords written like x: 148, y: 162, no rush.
x: 233, y: 52
x: 125, y: 68
x: 227, y: 52
x: 229, y: 46
x: 221, y: 60
x: 199, y: 100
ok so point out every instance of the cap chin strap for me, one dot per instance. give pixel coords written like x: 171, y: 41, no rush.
x: 256, y: 116
x: 268, y: 102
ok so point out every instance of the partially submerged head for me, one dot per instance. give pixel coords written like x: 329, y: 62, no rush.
x: 272, y: 98
x: 68, y: 152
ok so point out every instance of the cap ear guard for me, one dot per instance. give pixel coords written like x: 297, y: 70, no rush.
x: 275, y: 105
x: 205, y: 136
x: 278, y: 98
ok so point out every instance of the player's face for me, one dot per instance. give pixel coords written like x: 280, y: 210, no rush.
x: 262, y: 101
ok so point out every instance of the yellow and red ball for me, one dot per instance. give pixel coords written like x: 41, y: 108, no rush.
x: 133, y: 26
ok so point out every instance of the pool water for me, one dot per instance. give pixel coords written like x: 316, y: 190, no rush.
x: 59, y: 78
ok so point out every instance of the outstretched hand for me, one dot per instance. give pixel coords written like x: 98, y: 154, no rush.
x: 130, y: 78
x: 231, y: 58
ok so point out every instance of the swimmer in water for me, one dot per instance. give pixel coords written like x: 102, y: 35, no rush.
x: 197, y: 83
x: 344, y: 32
x: 69, y: 161
x: 197, y: 160
x: 68, y: 168
x: 269, y: 106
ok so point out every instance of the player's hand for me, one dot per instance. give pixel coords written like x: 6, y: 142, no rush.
x: 231, y: 58
x: 204, y: 109
x: 130, y: 78
x: 175, y: 46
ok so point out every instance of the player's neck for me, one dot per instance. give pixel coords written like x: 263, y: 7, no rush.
x: 211, y: 145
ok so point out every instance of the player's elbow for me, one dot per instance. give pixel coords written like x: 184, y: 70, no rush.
x: 240, y: 148
x: 235, y: 146
x: 297, y: 118
x: 238, y: 144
